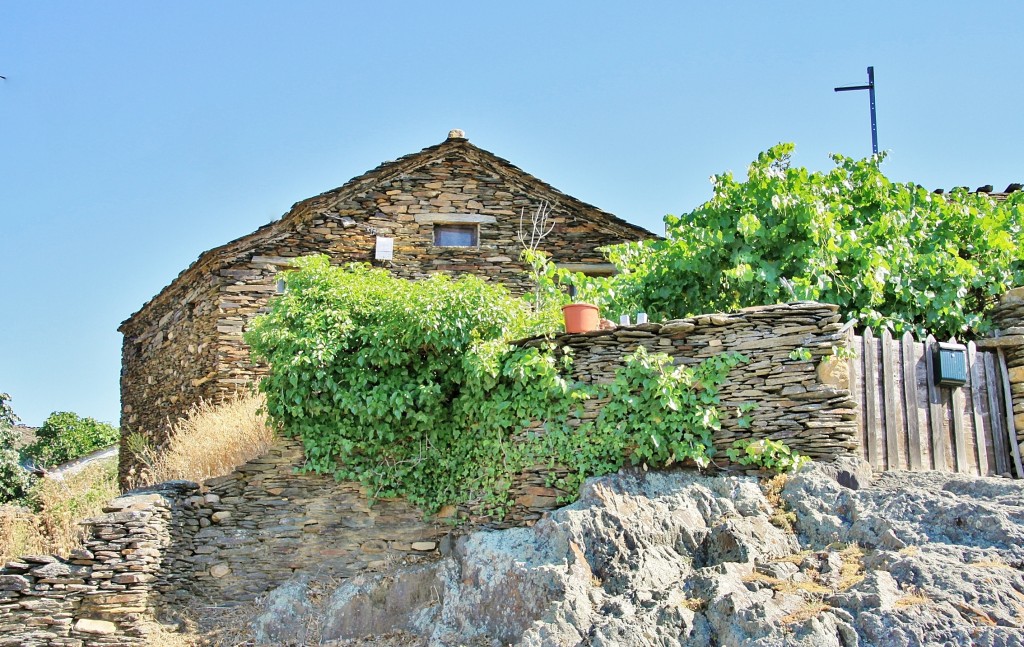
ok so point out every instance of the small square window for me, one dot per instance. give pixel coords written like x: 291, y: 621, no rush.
x: 456, y: 235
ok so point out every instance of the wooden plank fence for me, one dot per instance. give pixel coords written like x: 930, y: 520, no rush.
x: 909, y: 422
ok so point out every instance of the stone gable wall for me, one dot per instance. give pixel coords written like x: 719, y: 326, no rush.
x: 168, y: 363
x: 190, y: 346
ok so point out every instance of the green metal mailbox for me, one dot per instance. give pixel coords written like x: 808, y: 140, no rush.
x: 950, y: 364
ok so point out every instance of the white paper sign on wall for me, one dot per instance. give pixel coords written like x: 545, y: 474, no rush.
x: 385, y: 248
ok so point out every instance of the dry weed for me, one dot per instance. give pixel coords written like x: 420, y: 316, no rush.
x: 810, y: 587
x: 160, y: 635
x: 62, y: 503
x: 990, y: 563
x: 852, y: 570
x: 808, y: 611
x: 211, y: 440
x: 19, y: 533
x: 794, y: 558
x: 782, y: 518
x: 914, y: 597
x: 977, y: 616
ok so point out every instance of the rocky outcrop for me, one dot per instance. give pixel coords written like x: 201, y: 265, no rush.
x: 835, y: 557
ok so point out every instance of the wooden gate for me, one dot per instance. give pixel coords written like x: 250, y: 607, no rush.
x: 909, y: 422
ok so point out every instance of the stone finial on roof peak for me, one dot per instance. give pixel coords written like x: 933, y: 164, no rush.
x: 456, y: 133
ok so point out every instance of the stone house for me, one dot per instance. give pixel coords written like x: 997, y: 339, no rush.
x: 451, y: 208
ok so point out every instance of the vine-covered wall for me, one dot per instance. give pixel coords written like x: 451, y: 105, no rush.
x: 796, y: 378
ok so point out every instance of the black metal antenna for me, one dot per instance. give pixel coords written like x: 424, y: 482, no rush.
x: 870, y: 87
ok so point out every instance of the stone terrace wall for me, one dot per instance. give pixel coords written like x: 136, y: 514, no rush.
x: 106, y: 591
x: 806, y: 403
x: 263, y: 523
x: 243, y: 534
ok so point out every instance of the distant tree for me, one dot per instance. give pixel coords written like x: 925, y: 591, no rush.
x: 15, y: 481
x: 66, y: 436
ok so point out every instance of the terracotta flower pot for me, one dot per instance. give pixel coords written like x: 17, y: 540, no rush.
x: 580, y: 317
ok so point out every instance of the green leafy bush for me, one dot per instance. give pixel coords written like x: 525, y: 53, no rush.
x: 413, y: 389
x: 66, y: 436
x: 15, y: 481
x: 384, y: 379
x: 766, y: 453
x: 654, y: 413
x: 890, y: 254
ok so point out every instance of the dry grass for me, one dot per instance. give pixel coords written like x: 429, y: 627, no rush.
x: 808, y: 611
x: 977, y: 616
x: 159, y: 635
x: 782, y: 518
x: 62, y: 504
x: 810, y: 587
x: 990, y: 563
x: 211, y: 440
x: 913, y: 597
x: 852, y: 570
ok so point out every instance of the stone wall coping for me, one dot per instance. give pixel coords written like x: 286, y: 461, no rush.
x: 1000, y: 342
x: 687, y: 324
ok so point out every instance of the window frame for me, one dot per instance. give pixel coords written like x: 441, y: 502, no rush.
x: 457, y: 228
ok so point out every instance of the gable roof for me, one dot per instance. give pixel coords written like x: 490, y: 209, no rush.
x: 455, y: 143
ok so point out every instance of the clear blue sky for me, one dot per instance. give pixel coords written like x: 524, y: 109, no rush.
x: 136, y: 135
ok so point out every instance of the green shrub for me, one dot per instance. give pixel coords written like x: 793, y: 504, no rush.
x: 766, y: 453
x: 893, y: 255
x: 66, y: 436
x: 412, y: 388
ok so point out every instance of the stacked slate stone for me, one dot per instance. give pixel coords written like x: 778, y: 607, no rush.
x: 1008, y: 317
x: 804, y: 402
x: 105, y: 592
x: 259, y: 525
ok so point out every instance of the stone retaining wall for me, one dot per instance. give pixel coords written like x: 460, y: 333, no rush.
x: 804, y: 402
x: 106, y: 591
x: 1008, y: 318
x: 240, y: 535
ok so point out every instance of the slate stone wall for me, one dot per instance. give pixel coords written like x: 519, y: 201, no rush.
x: 168, y: 362
x: 105, y: 593
x: 238, y: 536
x: 804, y: 402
